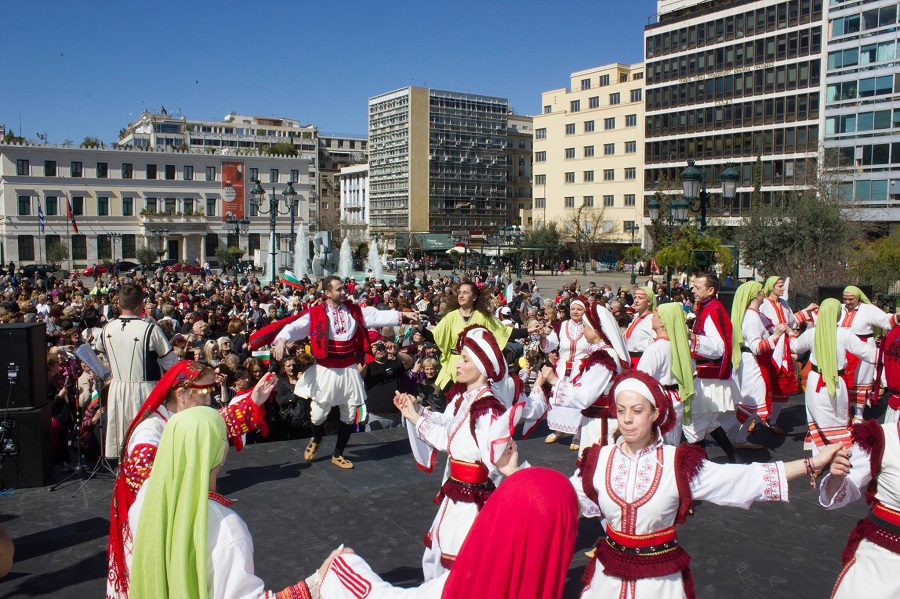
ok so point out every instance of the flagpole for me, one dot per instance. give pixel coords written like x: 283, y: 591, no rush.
x: 68, y: 238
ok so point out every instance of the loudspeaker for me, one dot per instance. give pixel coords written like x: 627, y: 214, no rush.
x: 837, y: 292
x: 25, y: 453
x: 23, y: 365
x: 726, y: 296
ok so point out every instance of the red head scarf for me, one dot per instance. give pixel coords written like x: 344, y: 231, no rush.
x: 525, y: 557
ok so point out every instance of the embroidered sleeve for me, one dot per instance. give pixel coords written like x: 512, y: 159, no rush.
x: 854, y: 484
x: 734, y: 485
x: 434, y: 430
x: 242, y: 416
x: 584, y: 484
x: 137, y: 465
x: 350, y: 577
x: 305, y: 589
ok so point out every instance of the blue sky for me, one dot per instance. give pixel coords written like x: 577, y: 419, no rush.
x: 76, y: 69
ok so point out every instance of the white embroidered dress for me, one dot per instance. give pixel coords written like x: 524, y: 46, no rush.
x: 565, y: 413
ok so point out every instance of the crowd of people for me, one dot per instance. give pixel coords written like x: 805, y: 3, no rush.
x: 634, y: 380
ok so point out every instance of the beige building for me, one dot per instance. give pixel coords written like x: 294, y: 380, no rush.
x: 588, y: 152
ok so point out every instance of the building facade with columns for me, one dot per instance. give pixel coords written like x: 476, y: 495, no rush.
x: 135, y: 193
x: 354, y: 204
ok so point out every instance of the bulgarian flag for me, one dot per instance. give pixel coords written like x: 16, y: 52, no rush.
x: 508, y: 294
x: 290, y: 280
x: 264, y: 355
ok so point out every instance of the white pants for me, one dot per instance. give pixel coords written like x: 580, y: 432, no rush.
x: 318, y: 413
x: 700, y: 426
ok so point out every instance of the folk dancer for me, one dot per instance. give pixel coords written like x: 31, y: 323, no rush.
x: 185, y: 385
x: 779, y: 371
x: 752, y: 347
x: 138, y: 353
x: 644, y: 487
x: 668, y: 360
x: 827, y: 407
x: 890, y: 363
x: 474, y: 430
x: 338, y: 341
x: 711, y: 347
x: 639, y: 334
x: 864, y: 320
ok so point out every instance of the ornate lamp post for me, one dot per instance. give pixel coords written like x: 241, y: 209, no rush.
x: 257, y: 195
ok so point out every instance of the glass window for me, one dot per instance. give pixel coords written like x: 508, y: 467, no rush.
x: 629, y: 199
x: 570, y: 201
x: 575, y: 105
x: 78, y: 205
x: 129, y: 248
x: 588, y: 176
x: 540, y: 156
x: 630, y: 147
x: 24, y: 206
x: 609, y: 174
x: 102, y: 170
x: 79, y: 247
x: 210, y: 173
x: 594, y: 102
x: 127, y: 206
x: 589, y: 150
x: 49, y: 168
x: 26, y: 247
x: 75, y: 169
x: 588, y: 126
x: 570, y: 129
x: 151, y: 171
x: 570, y: 177
x: 614, y: 98
x: 102, y: 206
x: 609, y: 201
x: 570, y: 153
x: 51, y: 206
x: 609, y: 123
x: 609, y: 149
x: 210, y: 207
x: 588, y: 201
x: 273, y: 175
x: 22, y: 167
x: 540, y: 133
x: 630, y: 121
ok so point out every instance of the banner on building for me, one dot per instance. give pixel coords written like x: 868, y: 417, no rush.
x: 232, y: 190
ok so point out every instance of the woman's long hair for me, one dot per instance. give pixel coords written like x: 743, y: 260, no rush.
x: 482, y: 299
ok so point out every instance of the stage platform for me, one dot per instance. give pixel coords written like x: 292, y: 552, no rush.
x: 298, y: 512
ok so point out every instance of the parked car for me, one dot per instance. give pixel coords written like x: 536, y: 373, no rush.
x: 444, y: 264
x: 192, y: 269
x: 398, y: 263
x: 41, y: 270
x: 89, y: 271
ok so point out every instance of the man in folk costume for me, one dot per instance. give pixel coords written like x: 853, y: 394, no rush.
x: 890, y: 363
x: 779, y: 372
x: 668, y: 360
x: 338, y: 341
x: 138, y: 353
x: 186, y: 385
x: 474, y: 429
x: 864, y: 320
x: 639, y: 334
x: 711, y: 343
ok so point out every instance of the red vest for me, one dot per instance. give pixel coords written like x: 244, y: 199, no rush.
x: 890, y: 348
x: 318, y: 331
x: 713, y: 369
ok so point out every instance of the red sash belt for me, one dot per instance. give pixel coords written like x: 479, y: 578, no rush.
x: 881, y: 527
x: 886, y: 515
x: 337, y: 361
x: 649, y: 541
x: 473, y: 473
x: 468, y: 483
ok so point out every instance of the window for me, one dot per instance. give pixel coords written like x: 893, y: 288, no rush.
x: 212, y: 244
x: 22, y: 167
x: 623, y: 77
x: 79, y: 247
x: 575, y: 105
x: 151, y: 171
x: 588, y: 176
x: 51, y: 206
x: 26, y: 247
x: 630, y: 147
x: 629, y: 200
x: 170, y: 172
x: 51, y: 240
x: 210, y: 207
x: 273, y: 175
x: 548, y: 109
x: 127, y: 170
x: 540, y: 156
x: 588, y: 201
x: 540, y: 179
x: 588, y: 151
x: 570, y: 153
x: 49, y: 168
x: 540, y: 133
x: 187, y: 206
x: 77, y: 206
x: 609, y: 174
x: 104, y: 247
x: 102, y: 206
x: 614, y: 98
x: 150, y: 205
x: 210, y: 173
x: 637, y: 76
x: 102, y: 170
x: 295, y: 176
x: 631, y: 120
x: 129, y: 250
x: 589, y: 126
x: 609, y: 123
x: 188, y: 172
x: 75, y: 169
x: 570, y: 129
x: 540, y: 203
x: 609, y: 201
x: 594, y: 102
x: 570, y: 201
x: 628, y: 226
x: 24, y: 206
x: 585, y: 84
x: 170, y: 206
x: 609, y: 149
x: 636, y: 95
x: 631, y: 173
x: 254, y: 174
x: 604, y: 80
x: 570, y: 177
x: 127, y: 206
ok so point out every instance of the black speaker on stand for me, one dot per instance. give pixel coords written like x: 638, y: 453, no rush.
x: 23, y: 365
x: 25, y: 456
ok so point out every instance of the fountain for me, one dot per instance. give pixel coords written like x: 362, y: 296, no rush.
x: 375, y: 261
x: 301, y: 254
x: 345, y: 261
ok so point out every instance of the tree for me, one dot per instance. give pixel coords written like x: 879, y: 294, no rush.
x: 586, y: 227
x: 146, y: 255
x: 11, y: 138
x: 57, y: 253
x: 362, y: 250
x: 756, y: 194
x: 546, y: 237
x: 807, y: 235
x: 281, y: 149
x: 224, y: 256
x: 876, y: 262
x: 92, y: 142
x: 694, y: 251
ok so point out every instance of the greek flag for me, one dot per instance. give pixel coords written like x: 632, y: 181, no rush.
x: 41, y: 216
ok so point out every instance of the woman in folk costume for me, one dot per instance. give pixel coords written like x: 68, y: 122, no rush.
x: 644, y: 488
x: 474, y: 430
x: 781, y: 377
x: 188, y: 542
x: 639, y: 334
x: 521, y: 557
x: 751, y: 350
x: 870, y: 468
x: 668, y: 360
x: 185, y: 385
x: 827, y: 410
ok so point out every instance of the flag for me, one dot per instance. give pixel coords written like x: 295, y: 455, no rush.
x: 70, y: 215
x: 289, y: 279
x: 508, y: 295
x: 40, y: 216
x: 263, y: 355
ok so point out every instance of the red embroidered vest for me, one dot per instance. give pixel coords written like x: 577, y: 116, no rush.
x: 318, y: 331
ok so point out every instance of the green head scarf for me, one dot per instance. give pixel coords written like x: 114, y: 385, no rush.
x: 853, y: 290
x: 770, y: 284
x: 742, y: 297
x: 671, y: 315
x: 651, y: 295
x: 170, y: 553
x: 825, y: 343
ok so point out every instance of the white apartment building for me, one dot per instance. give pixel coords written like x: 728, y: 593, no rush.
x: 354, y: 203
x: 136, y: 193
x: 588, y: 151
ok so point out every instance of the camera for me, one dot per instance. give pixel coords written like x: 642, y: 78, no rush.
x: 378, y: 346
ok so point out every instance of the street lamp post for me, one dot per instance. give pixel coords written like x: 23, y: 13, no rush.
x: 257, y: 194
x: 113, y: 239
x: 236, y: 228
x: 512, y: 234
x: 161, y: 236
x: 693, y: 181
x: 632, y: 227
